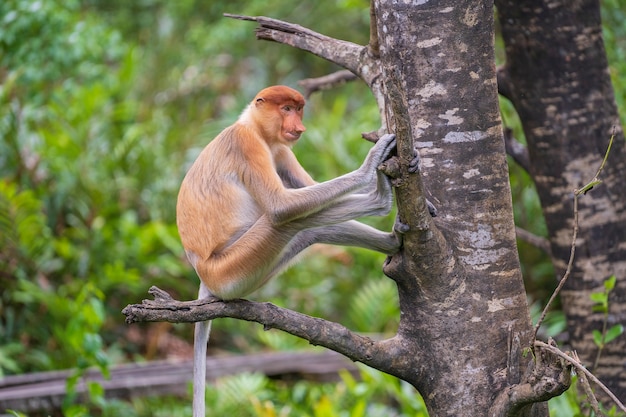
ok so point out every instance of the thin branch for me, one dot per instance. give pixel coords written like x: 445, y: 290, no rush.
x: 581, y: 369
x: 315, y: 330
x: 596, y: 179
x: 516, y: 150
x: 374, y: 45
x: 606, y: 154
x: 326, y: 82
x: 505, y: 88
x: 568, y: 270
x: 537, y: 241
x: 584, y: 382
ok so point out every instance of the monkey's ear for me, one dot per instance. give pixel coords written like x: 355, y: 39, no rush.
x: 260, y: 101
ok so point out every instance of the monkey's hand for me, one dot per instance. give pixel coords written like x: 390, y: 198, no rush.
x: 376, y: 156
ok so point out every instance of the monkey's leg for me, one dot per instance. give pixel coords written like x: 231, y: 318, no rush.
x: 350, y: 233
x: 241, y: 267
x: 354, y: 233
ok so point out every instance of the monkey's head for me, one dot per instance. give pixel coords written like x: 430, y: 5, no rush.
x: 278, y: 110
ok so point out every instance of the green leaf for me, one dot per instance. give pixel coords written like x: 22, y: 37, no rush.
x: 324, y: 407
x: 609, y: 284
x: 613, y: 333
x: 359, y: 409
x: 597, y: 338
x: 598, y: 297
x: 96, y: 392
x: 599, y: 309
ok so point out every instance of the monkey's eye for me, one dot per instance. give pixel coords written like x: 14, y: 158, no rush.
x: 287, y: 108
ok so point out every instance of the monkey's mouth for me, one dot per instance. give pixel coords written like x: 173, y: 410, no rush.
x: 292, y: 136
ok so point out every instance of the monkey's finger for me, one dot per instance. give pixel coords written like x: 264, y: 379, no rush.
x: 400, y: 227
x: 431, y: 208
x: 414, y: 165
x: 387, y: 137
x: 388, y: 143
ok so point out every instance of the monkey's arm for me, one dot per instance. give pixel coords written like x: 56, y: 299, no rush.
x: 285, y: 205
x: 290, y: 171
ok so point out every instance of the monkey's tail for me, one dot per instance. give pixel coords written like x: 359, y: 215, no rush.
x: 201, y: 338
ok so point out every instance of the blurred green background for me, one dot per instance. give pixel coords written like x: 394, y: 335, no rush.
x: 104, y: 104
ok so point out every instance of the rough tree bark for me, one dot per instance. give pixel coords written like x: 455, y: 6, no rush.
x: 556, y: 75
x: 465, y: 320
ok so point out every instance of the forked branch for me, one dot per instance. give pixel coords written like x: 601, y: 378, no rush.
x: 358, y: 59
x: 343, y: 53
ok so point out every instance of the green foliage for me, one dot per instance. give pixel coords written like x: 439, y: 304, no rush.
x: 374, y: 307
x: 82, y: 217
x: 601, y: 305
x: 373, y: 394
x: 554, y: 323
x: 569, y: 403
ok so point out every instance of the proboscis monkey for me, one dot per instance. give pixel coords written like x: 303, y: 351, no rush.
x: 246, y: 207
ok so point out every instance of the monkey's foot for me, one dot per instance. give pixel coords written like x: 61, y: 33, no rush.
x: 431, y: 208
x: 399, y: 227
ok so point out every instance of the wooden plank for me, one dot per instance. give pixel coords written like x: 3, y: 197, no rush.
x: 46, y: 390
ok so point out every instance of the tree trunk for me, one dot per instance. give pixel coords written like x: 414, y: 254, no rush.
x: 557, y: 77
x: 463, y: 302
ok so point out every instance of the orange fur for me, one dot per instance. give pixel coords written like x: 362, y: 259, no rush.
x: 232, y: 185
x: 246, y: 207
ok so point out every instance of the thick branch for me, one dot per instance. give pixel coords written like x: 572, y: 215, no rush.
x: 343, y: 53
x: 317, y: 331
